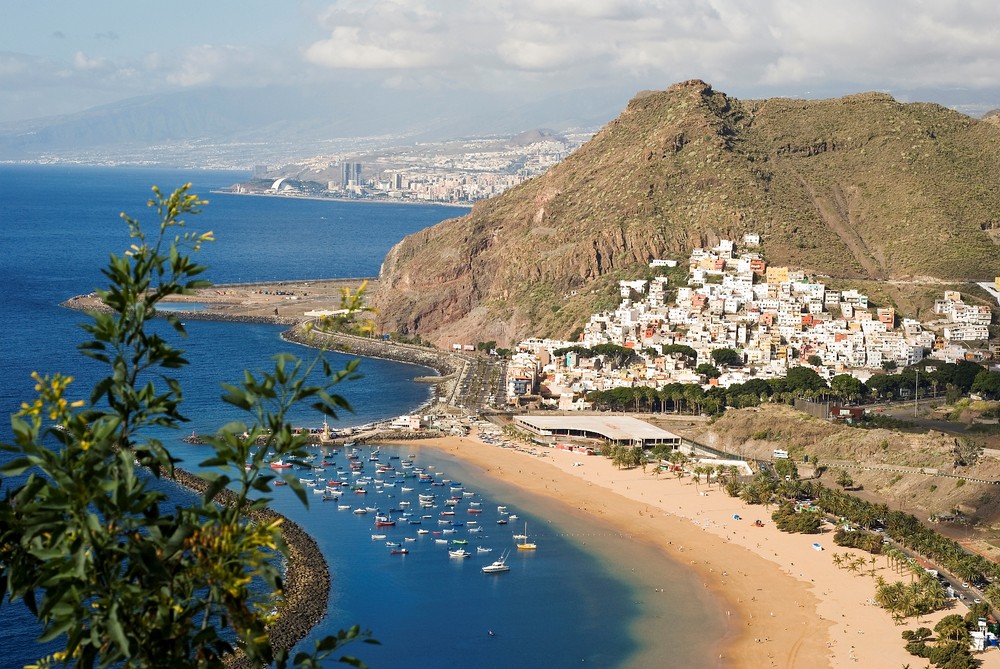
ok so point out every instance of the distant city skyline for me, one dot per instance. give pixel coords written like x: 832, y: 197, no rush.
x: 61, y: 57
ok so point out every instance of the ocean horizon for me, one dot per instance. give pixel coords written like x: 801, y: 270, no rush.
x: 582, y: 598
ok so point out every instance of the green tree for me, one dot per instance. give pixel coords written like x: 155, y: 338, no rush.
x: 847, y: 387
x: 844, y: 479
x: 814, y: 360
x: 727, y: 357
x: 85, y: 539
x: 799, y: 379
x: 710, y: 371
x: 952, y: 627
x: 987, y: 384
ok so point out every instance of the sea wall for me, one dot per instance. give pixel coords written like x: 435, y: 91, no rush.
x: 444, y: 362
x: 307, y: 576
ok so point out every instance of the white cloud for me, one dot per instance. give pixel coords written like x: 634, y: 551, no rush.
x: 595, y: 42
x: 226, y: 64
x: 83, y: 62
x: 534, y: 47
x: 350, y: 47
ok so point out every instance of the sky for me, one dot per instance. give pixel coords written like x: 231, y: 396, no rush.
x: 64, y: 56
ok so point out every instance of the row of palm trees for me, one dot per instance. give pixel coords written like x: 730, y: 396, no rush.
x: 903, y: 528
x: 800, y: 382
x: 904, y: 600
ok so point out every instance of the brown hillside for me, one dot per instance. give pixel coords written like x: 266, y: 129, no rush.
x: 885, y: 463
x: 856, y: 187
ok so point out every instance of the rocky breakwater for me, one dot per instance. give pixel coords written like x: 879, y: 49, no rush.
x: 447, y: 364
x: 307, y: 577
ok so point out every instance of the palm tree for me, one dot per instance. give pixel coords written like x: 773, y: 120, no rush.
x: 838, y: 560
x: 952, y: 627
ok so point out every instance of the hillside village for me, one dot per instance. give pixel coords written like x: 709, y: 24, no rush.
x: 774, y: 318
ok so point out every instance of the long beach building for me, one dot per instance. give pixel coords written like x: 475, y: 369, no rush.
x: 615, y: 429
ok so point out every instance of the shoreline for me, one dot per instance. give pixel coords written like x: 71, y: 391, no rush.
x: 784, y: 603
x: 322, y: 198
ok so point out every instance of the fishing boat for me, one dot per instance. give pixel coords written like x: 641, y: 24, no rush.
x: 460, y: 542
x: 483, y: 549
x: 423, y: 531
x: 398, y: 551
x: 343, y: 507
x: 280, y: 464
x: 498, y: 566
x: 378, y: 537
x: 459, y: 553
x: 384, y: 521
x: 524, y: 544
x: 392, y: 544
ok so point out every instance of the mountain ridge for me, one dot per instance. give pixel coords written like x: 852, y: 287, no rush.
x: 859, y: 187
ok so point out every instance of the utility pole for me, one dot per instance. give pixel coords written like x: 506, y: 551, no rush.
x: 916, y: 384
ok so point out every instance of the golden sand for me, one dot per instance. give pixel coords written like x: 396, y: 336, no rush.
x: 785, y: 604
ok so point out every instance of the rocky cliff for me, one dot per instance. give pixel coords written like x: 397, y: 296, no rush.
x: 860, y: 187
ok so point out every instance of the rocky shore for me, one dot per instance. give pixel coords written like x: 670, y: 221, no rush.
x: 307, y: 577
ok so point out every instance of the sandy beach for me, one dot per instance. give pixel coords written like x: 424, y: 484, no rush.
x: 785, y: 604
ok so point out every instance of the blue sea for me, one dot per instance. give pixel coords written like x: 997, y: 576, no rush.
x: 583, y: 598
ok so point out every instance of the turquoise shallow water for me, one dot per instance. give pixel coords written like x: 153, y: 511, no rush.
x: 576, y: 601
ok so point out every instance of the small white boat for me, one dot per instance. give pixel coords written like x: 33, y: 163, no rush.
x: 423, y: 531
x: 498, y: 566
x: 483, y: 549
x: 459, y: 553
x: 343, y: 507
x: 378, y: 537
x: 440, y: 541
x: 360, y: 510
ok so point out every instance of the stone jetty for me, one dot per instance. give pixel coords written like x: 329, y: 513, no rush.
x: 306, y: 580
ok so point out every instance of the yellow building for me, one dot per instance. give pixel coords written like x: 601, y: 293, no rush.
x: 776, y: 275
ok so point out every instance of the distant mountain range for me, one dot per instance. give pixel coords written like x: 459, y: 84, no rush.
x: 282, y: 123
x: 858, y: 188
